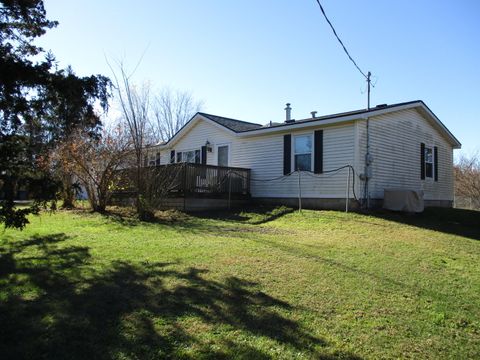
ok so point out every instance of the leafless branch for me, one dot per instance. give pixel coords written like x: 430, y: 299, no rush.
x: 172, y: 109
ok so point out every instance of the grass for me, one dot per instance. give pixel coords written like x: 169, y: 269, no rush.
x: 258, y: 284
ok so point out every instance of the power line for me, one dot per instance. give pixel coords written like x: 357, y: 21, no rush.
x: 340, y: 41
x: 283, y: 177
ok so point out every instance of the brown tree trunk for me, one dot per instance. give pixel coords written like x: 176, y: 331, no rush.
x: 102, y: 201
x: 68, y: 193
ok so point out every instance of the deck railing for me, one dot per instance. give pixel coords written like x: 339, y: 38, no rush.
x: 209, y: 180
x: 192, y: 180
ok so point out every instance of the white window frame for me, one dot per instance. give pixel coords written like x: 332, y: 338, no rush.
x: 228, y: 153
x: 152, y: 158
x: 431, y: 148
x: 295, y: 136
x: 183, y: 152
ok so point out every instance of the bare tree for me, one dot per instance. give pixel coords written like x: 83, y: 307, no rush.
x: 135, y: 107
x: 172, y: 109
x: 467, y: 180
x: 95, y: 162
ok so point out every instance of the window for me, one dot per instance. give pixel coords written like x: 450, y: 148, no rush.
x: 222, y: 155
x: 303, y: 153
x: 191, y: 156
x: 428, y: 162
x: 152, y: 159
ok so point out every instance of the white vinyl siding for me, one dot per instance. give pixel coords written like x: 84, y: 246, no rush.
x: 264, y: 156
x: 395, y: 140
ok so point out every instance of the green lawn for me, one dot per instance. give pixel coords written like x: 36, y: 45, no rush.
x: 250, y: 285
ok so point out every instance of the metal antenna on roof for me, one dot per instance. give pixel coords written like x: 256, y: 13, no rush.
x: 369, y: 82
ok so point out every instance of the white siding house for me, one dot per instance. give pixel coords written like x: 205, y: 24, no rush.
x: 409, y: 147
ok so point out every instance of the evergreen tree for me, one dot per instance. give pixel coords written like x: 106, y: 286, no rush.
x: 39, y: 106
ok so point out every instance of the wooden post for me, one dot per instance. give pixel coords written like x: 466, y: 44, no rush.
x: 185, y: 187
x: 229, y: 189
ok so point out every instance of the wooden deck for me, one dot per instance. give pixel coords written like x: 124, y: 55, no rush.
x: 212, y: 184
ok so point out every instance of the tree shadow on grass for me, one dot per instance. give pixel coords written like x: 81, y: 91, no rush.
x: 127, y: 216
x: 459, y: 222
x: 198, y: 222
x: 251, y: 215
x: 56, y: 304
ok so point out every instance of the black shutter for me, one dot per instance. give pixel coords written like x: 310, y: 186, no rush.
x: 287, y: 154
x: 172, y: 156
x: 435, y: 163
x: 422, y: 161
x: 318, y: 152
x: 204, y: 155
x: 157, y: 159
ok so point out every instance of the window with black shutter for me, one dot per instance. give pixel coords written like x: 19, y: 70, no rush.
x: 204, y: 155
x: 318, y: 152
x: 428, y: 162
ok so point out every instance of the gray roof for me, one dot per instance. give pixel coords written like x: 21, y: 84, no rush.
x: 347, y: 113
x: 232, y: 124
x: 242, y: 126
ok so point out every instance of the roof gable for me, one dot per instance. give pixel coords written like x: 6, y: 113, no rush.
x: 232, y: 126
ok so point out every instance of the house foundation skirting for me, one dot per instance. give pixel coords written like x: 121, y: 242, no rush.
x: 338, y: 203
x: 439, y: 203
x: 378, y: 203
x: 203, y: 204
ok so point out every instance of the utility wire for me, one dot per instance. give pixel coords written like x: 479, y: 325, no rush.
x: 310, y: 173
x: 340, y: 41
x: 314, y: 175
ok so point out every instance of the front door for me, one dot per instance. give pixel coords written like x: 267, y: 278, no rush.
x: 222, y: 155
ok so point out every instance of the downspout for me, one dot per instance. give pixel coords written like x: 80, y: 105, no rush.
x: 368, y: 158
x: 367, y: 167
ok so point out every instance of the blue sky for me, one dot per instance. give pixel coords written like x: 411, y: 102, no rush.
x: 246, y: 59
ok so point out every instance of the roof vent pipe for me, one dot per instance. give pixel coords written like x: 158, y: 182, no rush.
x: 314, y: 114
x: 288, y: 110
